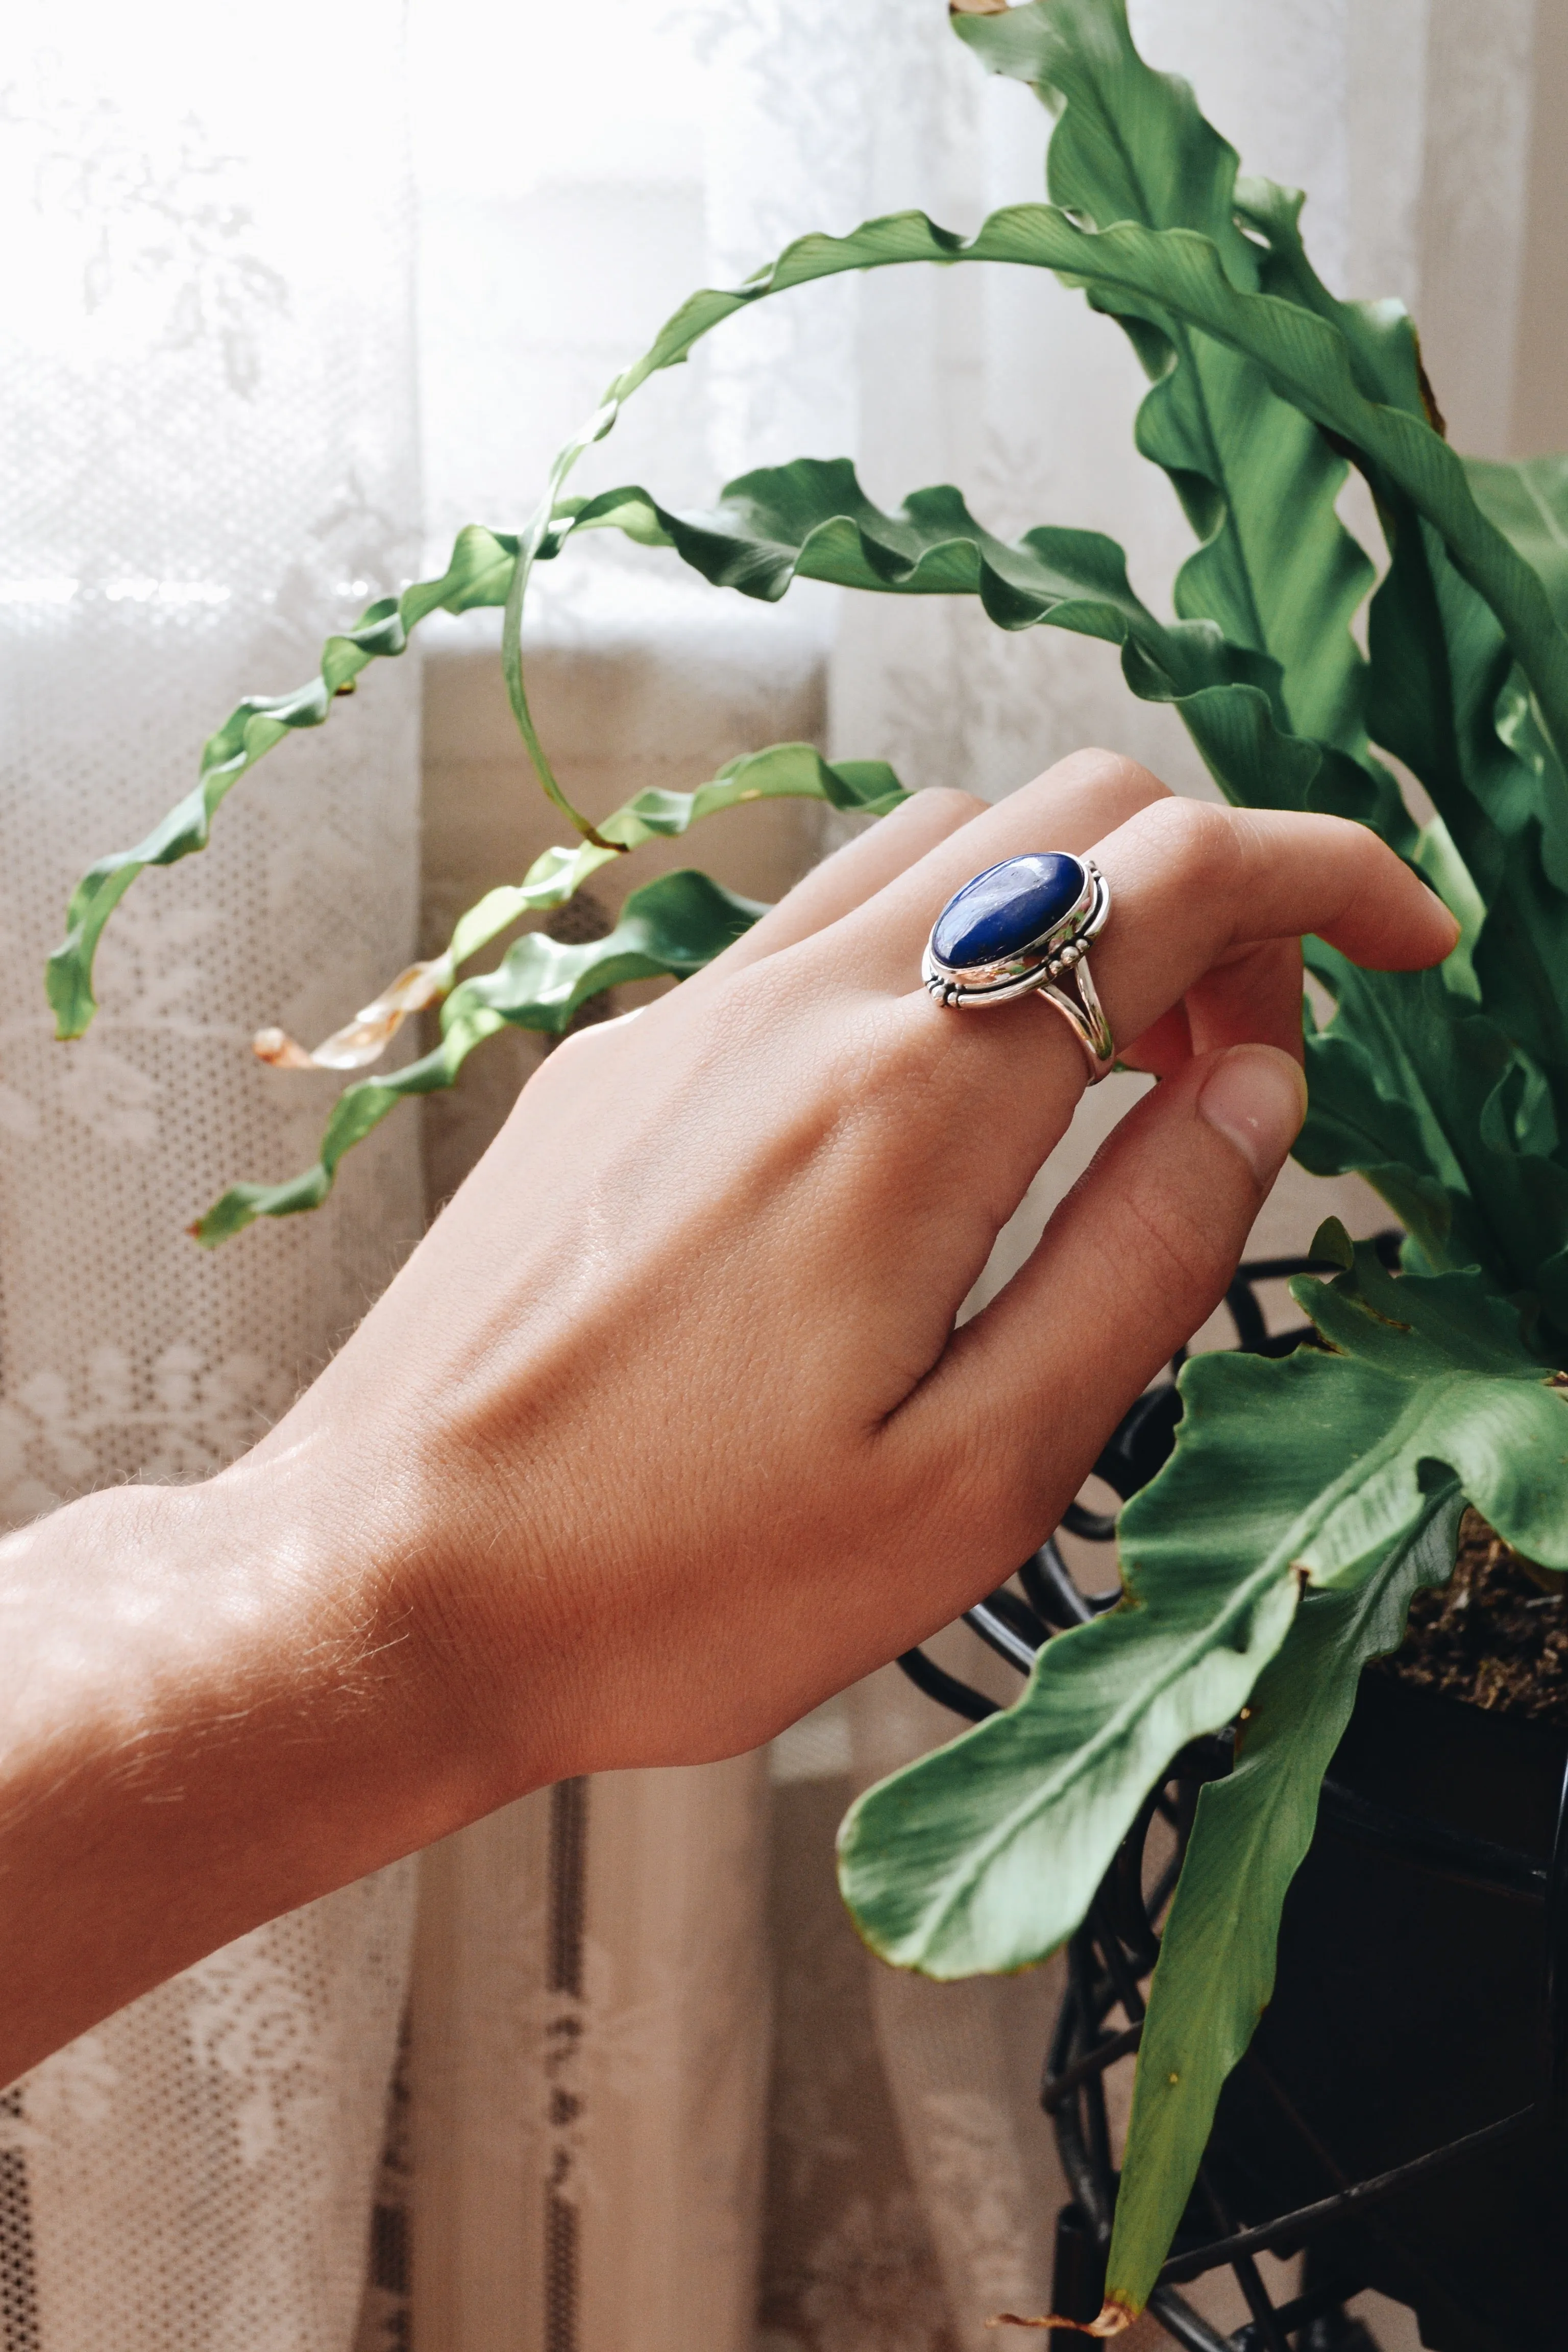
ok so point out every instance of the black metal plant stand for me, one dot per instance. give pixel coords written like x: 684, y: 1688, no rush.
x: 1110, y: 1958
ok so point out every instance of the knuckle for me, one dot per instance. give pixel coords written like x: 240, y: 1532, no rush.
x: 1199, y: 839
x: 1122, y: 787
x: 1112, y: 772
x: 950, y: 803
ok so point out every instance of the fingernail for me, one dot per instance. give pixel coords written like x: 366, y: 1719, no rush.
x: 1256, y: 1097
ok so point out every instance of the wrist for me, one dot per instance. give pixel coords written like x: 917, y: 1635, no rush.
x: 351, y: 1658
x: 209, y: 1717
x: 445, y: 1572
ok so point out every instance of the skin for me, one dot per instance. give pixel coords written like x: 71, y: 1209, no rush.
x: 665, y: 1431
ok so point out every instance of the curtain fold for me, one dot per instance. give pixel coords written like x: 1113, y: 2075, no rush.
x: 590, y: 2056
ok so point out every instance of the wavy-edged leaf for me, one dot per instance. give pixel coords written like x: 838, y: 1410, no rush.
x: 811, y: 520
x: 782, y: 771
x: 478, y: 574
x: 1447, y: 698
x: 1456, y: 710
x: 983, y: 1856
x: 669, y: 928
x: 1303, y: 355
x: 1444, y: 694
x: 1379, y: 336
x: 1277, y: 569
x: 1216, y: 1970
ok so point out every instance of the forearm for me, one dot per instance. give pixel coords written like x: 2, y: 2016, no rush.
x: 207, y: 1717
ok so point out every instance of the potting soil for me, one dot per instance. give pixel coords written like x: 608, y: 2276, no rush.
x: 1495, y: 1636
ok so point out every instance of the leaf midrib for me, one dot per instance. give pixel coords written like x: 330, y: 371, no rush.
x: 1133, y: 1709
x: 1304, y: 1531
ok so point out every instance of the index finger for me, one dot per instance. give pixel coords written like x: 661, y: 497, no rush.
x: 1189, y: 882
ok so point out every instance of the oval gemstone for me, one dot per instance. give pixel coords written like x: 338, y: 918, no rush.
x: 1006, y: 908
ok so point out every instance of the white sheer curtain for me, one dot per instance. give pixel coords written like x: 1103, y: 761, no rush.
x: 210, y: 379
x: 209, y: 459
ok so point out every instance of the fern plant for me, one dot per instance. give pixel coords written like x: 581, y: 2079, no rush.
x: 1307, y: 1498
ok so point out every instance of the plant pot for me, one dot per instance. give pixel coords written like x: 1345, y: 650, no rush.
x: 1410, y: 2009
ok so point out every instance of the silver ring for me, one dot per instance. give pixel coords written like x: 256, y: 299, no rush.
x: 1023, y: 928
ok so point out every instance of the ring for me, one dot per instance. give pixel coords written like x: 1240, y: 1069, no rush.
x: 1023, y: 926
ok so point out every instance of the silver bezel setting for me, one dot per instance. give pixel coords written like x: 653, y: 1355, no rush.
x: 1051, y: 966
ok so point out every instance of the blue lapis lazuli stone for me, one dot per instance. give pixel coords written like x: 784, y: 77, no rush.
x: 1005, y: 909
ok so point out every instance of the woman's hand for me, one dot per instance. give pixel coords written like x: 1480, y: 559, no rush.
x: 665, y: 1432
x: 666, y: 1426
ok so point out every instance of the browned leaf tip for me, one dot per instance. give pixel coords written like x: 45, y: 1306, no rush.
x: 993, y: 8
x: 1112, y: 2317
x: 279, y: 1051
x: 369, y: 1034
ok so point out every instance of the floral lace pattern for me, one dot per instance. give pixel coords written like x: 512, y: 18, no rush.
x: 199, y: 2167
x: 165, y: 211
x: 196, y: 2174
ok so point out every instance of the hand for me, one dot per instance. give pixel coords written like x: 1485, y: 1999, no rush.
x: 665, y: 1431
x: 667, y: 1425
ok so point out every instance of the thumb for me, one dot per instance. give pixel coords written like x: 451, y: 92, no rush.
x: 1135, y: 1258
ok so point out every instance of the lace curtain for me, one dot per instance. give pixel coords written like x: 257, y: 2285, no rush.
x: 209, y: 460
x: 597, y: 2135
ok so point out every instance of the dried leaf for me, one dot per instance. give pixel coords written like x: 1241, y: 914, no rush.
x: 367, y: 1036
x: 279, y: 1051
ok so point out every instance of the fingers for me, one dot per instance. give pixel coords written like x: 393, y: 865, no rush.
x: 1201, y: 953
x: 1208, y: 904
x: 1134, y: 1259
x: 1201, y: 950
x: 1191, y: 885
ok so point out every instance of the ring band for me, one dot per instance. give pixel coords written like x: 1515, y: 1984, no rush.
x: 1024, y: 927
